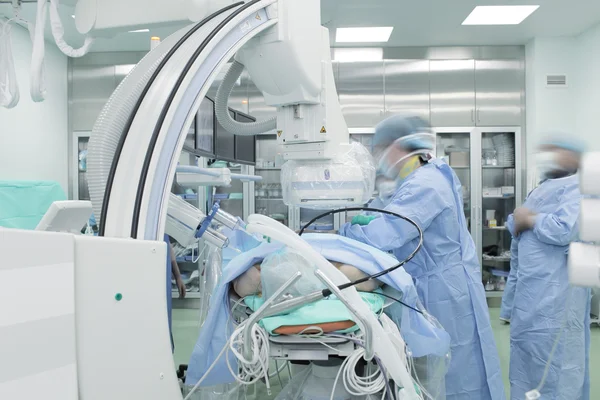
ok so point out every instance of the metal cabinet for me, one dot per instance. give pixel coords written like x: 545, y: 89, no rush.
x: 407, y: 87
x: 452, y: 92
x: 360, y: 89
x: 498, y: 92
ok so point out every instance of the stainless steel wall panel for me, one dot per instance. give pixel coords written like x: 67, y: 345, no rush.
x: 361, y: 94
x: 92, y: 86
x: 499, y: 88
x: 452, y: 85
x: 407, y: 87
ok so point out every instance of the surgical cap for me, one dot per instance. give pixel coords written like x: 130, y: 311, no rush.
x: 564, y: 141
x: 398, y: 126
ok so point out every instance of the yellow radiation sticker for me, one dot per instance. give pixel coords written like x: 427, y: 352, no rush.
x: 323, y: 130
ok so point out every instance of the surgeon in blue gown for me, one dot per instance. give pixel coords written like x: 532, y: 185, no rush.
x: 446, y: 271
x: 544, y: 302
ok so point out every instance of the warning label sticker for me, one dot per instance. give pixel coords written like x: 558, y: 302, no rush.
x: 323, y: 130
x: 279, y: 133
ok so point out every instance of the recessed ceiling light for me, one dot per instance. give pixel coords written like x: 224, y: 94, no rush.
x: 140, y: 31
x: 346, y: 55
x: 73, y: 16
x: 499, y: 15
x: 363, y: 35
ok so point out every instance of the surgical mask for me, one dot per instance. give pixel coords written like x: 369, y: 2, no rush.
x: 386, y: 189
x: 546, y: 164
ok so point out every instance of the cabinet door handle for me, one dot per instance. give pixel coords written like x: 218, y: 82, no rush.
x: 478, y: 120
x: 472, y: 115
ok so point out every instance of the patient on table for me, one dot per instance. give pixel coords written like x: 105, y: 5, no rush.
x: 249, y: 283
x: 262, y: 280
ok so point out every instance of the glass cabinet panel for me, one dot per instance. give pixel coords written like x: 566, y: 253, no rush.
x: 82, y: 182
x: 498, y: 201
x: 455, y: 149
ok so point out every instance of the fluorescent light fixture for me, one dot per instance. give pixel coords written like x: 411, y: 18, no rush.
x: 499, y: 15
x: 363, y: 35
x: 140, y: 31
x: 357, y: 55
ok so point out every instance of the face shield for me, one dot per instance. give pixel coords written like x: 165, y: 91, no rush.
x: 406, y: 147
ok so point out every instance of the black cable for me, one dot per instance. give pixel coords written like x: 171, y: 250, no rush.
x: 397, y: 301
x: 328, y: 292
x: 132, y: 115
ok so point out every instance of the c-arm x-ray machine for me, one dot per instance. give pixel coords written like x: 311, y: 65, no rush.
x: 111, y: 342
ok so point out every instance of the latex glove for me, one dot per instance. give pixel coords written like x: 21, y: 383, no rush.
x: 180, y: 287
x: 524, y: 220
x: 362, y: 219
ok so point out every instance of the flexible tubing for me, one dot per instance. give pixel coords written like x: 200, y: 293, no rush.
x: 58, y: 32
x: 36, y: 71
x: 9, y: 86
x: 113, y: 117
x: 222, y: 109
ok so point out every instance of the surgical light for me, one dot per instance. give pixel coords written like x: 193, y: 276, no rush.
x: 364, y: 34
x: 499, y: 15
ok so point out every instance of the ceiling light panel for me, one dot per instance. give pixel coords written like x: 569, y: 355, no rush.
x: 363, y: 35
x: 347, y: 55
x: 499, y: 15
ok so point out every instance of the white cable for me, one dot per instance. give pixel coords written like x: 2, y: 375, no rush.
x: 197, y: 385
x: 36, y: 72
x: 536, y: 393
x: 257, y: 367
x: 358, y: 385
x: 9, y: 87
x: 58, y: 32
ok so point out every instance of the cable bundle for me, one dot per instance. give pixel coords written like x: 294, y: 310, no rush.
x: 257, y: 367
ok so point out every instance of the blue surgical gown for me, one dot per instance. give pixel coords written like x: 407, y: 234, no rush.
x: 446, y: 273
x: 544, y: 301
x: 508, y: 298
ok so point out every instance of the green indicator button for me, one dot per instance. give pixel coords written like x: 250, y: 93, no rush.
x: 118, y: 297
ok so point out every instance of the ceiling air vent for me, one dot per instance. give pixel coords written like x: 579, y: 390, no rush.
x: 556, y: 80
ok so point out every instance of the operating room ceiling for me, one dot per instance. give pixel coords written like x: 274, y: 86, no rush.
x: 415, y: 22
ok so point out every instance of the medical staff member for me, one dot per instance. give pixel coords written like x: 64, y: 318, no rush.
x: 508, y: 297
x: 172, y: 272
x: 446, y: 271
x: 546, y: 307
